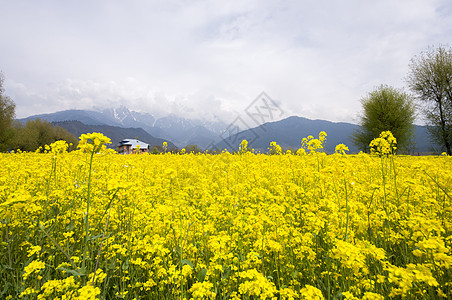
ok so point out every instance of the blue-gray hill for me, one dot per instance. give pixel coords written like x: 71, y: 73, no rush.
x: 289, y: 132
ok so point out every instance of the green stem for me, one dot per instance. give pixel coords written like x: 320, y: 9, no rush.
x: 395, y: 180
x: 384, y: 186
x: 436, y: 182
x: 101, y: 243
x: 88, y: 201
x: 386, y: 228
x: 346, y: 210
x: 57, y: 245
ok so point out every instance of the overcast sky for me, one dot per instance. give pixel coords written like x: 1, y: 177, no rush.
x: 210, y: 59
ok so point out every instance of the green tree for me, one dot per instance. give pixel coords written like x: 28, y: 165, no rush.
x: 430, y: 78
x: 192, y: 149
x: 38, y: 133
x: 157, y: 149
x: 7, y: 115
x: 386, y: 108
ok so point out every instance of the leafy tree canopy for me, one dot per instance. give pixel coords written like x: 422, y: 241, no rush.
x: 386, y: 108
x: 38, y: 133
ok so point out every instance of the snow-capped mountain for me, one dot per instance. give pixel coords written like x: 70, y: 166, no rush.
x: 128, y: 118
x: 209, y: 135
x: 180, y: 131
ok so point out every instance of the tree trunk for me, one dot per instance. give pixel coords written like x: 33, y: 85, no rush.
x: 443, y: 129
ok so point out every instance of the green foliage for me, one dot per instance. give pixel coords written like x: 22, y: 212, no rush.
x: 430, y: 78
x: 192, y: 149
x: 7, y: 114
x: 156, y: 149
x: 38, y: 133
x: 386, y: 108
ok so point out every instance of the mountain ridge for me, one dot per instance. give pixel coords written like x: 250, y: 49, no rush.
x: 115, y: 133
x: 289, y: 132
x: 182, y: 132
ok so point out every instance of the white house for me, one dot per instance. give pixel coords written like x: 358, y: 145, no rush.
x: 129, y: 146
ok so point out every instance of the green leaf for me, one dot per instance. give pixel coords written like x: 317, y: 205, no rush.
x: 226, y: 272
x: 125, y: 265
x: 70, y: 226
x: 188, y: 262
x: 5, y: 289
x: 78, y: 272
x: 201, y: 275
x: 6, y: 267
x: 178, y: 251
x: 95, y: 237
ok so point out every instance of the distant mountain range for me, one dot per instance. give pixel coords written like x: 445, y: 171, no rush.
x: 122, y: 123
x: 180, y: 131
x: 115, y: 133
x: 289, y: 132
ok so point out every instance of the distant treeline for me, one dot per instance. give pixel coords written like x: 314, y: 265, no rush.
x: 35, y: 134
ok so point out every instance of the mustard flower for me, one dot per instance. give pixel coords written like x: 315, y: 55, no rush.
x: 34, y: 267
x: 341, y: 148
x: 93, y: 142
x: 243, y: 147
x: 301, y: 152
x: 310, y: 292
x: 202, y: 290
x: 385, y: 144
x: 59, y: 147
x: 87, y: 292
x: 256, y: 285
x: 275, y: 148
x: 34, y: 250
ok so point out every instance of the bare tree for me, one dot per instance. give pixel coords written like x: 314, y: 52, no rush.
x: 430, y: 78
x: 7, y: 115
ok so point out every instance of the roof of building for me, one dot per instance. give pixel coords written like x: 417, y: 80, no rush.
x: 133, y: 143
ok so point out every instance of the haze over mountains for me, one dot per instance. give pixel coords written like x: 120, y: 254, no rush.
x: 179, y: 132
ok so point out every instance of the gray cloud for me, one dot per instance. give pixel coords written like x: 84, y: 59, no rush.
x: 211, y: 58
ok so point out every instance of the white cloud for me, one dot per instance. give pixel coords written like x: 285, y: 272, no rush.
x: 211, y: 58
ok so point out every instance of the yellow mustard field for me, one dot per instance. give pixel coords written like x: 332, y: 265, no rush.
x: 97, y: 225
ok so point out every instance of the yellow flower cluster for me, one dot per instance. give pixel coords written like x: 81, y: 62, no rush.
x: 225, y: 226
x: 384, y: 145
x: 243, y: 147
x: 341, y: 148
x: 93, y: 142
x: 312, y: 293
x: 255, y: 284
x: 275, y: 148
x: 310, y: 144
x: 202, y: 290
x: 33, y: 267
